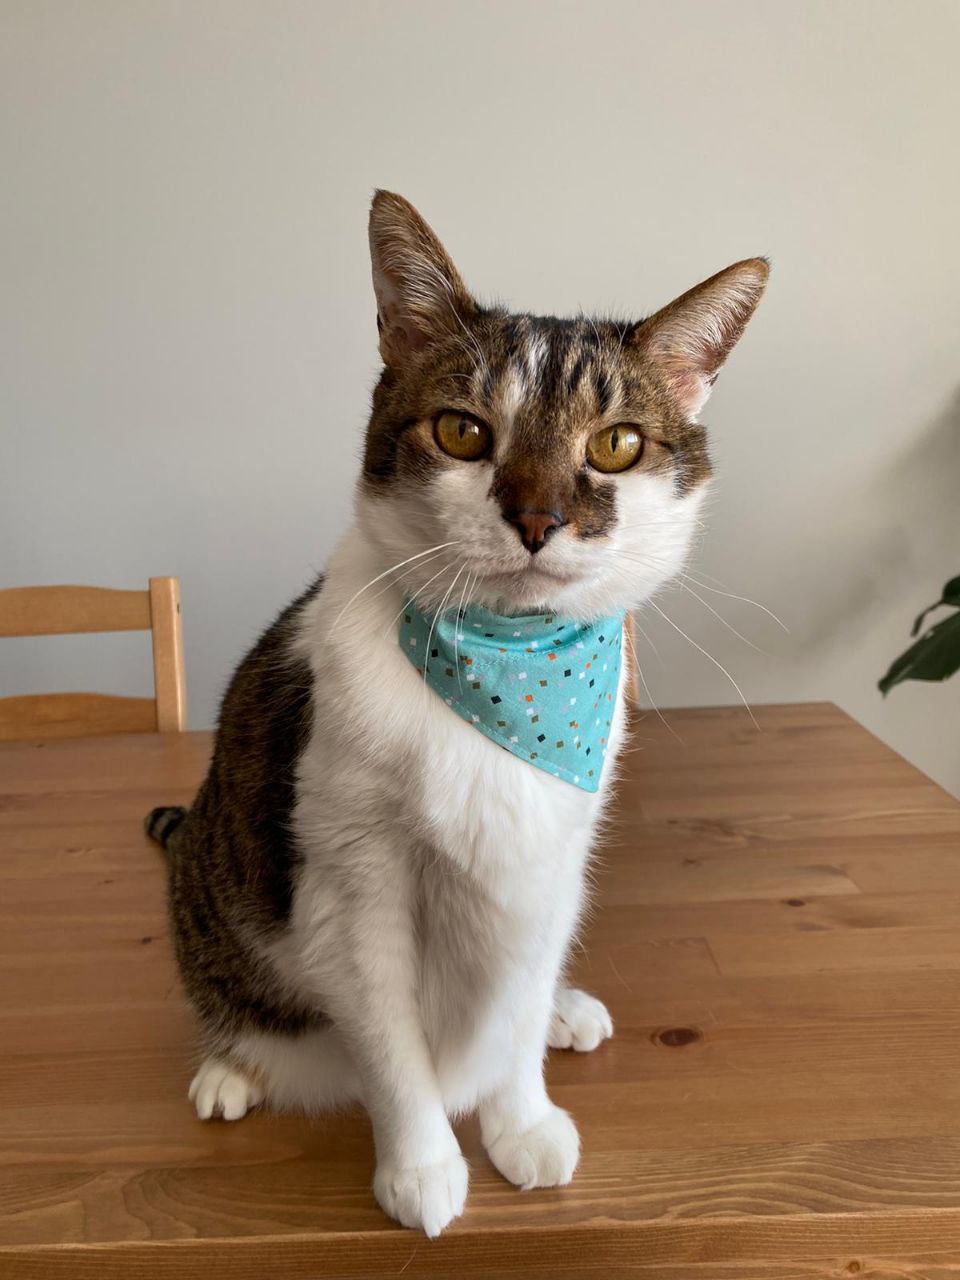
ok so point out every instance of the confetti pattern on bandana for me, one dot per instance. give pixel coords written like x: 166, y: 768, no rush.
x: 541, y: 686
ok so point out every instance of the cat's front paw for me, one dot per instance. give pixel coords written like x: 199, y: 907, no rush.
x: 427, y: 1197
x: 544, y: 1155
x: 579, y: 1021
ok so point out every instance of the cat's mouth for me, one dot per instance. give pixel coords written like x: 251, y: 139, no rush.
x: 532, y: 571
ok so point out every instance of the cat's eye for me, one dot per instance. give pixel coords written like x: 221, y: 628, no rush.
x: 462, y: 436
x: 614, y: 448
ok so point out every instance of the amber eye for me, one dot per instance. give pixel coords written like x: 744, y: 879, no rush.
x: 462, y: 437
x: 614, y: 448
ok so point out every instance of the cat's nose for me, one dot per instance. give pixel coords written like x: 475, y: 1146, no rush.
x: 535, y: 527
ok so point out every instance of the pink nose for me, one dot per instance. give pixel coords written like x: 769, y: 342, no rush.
x: 535, y: 527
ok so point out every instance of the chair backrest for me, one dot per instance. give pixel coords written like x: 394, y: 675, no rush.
x: 52, y: 611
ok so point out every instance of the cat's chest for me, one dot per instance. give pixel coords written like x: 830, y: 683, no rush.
x: 486, y: 809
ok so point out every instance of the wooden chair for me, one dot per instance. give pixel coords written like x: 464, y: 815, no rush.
x: 68, y: 610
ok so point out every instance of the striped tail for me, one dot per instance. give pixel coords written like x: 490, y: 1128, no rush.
x: 160, y: 824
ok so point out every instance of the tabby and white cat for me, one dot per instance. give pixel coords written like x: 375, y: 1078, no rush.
x: 371, y: 900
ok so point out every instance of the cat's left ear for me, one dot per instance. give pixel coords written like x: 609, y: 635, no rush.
x: 420, y: 295
x: 690, y: 338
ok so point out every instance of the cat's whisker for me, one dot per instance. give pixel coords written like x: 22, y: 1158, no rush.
x: 685, y: 585
x: 635, y: 659
x: 439, y: 611
x: 402, y: 581
x: 413, y: 599
x: 456, y: 634
x: 380, y: 576
x: 733, y: 596
x: 718, y: 665
x: 639, y: 626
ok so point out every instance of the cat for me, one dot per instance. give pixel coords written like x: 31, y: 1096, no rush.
x: 371, y: 901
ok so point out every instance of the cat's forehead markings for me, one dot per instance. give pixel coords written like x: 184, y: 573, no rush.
x: 512, y: 393
x: 534, y: 356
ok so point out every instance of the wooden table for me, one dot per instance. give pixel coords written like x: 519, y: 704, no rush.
x: 778, y: 942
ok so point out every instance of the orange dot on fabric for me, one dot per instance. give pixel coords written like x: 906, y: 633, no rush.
x: 552, y: 657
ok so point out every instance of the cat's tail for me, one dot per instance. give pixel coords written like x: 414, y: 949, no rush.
x: 160, y: 824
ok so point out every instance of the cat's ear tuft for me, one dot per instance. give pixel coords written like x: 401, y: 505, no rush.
x: 690, y: 338
x: 420, y: 295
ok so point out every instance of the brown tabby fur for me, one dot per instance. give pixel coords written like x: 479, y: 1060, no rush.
x: 551, y: 382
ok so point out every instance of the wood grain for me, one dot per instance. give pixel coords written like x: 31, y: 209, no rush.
x: 774, y: 934
x: 169, y: 674
x: 74, y: 715
x: 40, y: 611
x: 69, y: 610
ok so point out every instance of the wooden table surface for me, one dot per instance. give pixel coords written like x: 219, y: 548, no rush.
x: 777, y: 939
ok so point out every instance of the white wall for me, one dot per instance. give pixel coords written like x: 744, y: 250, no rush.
x: 188, y: 330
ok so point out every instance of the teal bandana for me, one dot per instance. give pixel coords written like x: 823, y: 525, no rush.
x: 541, y: 686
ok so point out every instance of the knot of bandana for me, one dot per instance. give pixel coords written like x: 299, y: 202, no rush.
x: 541, y: 686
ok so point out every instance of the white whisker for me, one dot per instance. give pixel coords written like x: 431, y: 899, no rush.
x: 393, y: 568
x: 718, y: 665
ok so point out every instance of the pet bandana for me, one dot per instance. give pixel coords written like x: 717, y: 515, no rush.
x: 542, y: 686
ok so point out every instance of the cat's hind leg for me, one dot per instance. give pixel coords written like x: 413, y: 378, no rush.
x: 307, y: 1073
x: 219, y: 1089
x: 578, y: 1021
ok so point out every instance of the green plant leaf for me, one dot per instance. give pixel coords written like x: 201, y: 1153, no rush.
x: 935, y: 656
x: 951, y: 595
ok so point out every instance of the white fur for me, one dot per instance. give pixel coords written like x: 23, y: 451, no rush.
x: 446, y: 1013
x: 442, y: 883
x: 443, y: 877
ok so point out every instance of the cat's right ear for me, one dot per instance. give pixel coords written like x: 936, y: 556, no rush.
x: 420, y: 295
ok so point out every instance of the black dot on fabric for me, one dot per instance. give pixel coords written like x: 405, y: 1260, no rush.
x: 568, y: 672
x: 543, y: 684
x: 601, y: 639
x: 449, y: 671
x: 501, y: 724
x: 496, y: 698
x: 533, y: 755
x: 434, y: 653
x: 534, y: 719
x: 541, y: 737
x: 588, y: 750
x: 488, y: 635
x: 592, y: 683
x: 407, y: 619
x: 476, y: 684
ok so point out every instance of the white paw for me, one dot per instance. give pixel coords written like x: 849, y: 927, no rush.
x: 428, y: 1197
x: 217, y: 1089
x: 579, y: 1021
x: 543, y: 1156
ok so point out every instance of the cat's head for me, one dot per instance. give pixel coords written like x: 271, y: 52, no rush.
x: 526, y: 462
